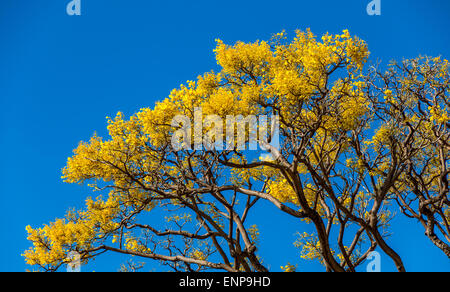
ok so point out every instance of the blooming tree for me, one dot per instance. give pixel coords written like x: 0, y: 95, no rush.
x: 356, y: 144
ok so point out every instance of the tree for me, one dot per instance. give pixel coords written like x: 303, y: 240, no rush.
x: 354, y: 142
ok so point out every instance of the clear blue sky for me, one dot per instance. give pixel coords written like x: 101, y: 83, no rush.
x: 60, y: 76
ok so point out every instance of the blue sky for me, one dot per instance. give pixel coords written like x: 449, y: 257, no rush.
x: 61, y: 75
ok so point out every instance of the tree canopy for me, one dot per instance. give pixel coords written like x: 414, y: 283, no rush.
x: 356, y: 144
